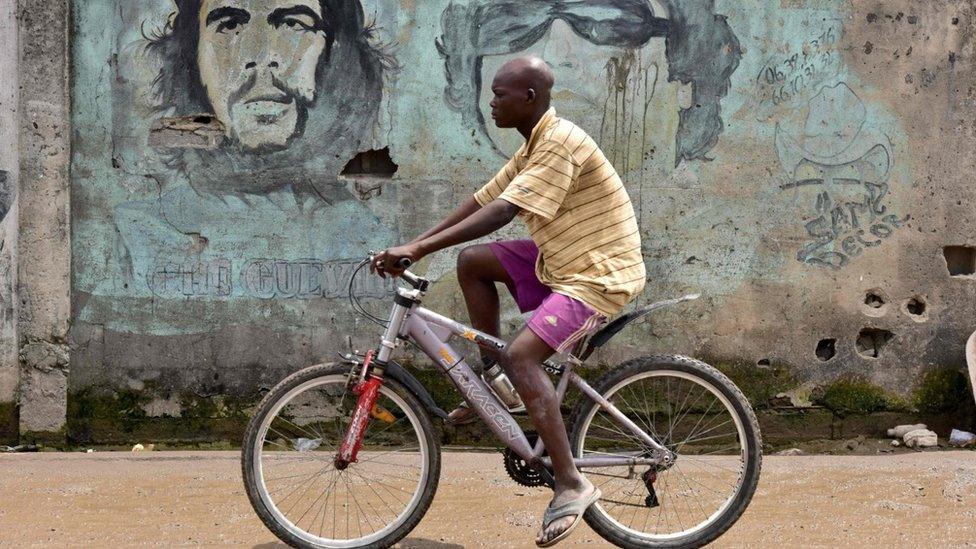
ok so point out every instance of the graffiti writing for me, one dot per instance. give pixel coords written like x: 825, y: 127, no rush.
x: 842, y: 230
x: 784, y: 79
x: 192, y: 278
x: 264, y: 279
x: 846, y: 161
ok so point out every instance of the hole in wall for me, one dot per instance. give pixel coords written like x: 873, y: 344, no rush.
x: 915, y: 306
x: 375, y: 163
x: 960, y: 260
x: 763, y: 363
x: 871, y: 341
x: 826, y: 349
x: 874, y: 300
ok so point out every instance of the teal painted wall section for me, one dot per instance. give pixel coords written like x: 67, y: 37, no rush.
x: 773, y: 168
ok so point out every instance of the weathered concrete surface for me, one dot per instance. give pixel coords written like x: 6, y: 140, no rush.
x: 166, y: 499
x: 805, y: 165
x: 9, y: 361
x: 44, y: 242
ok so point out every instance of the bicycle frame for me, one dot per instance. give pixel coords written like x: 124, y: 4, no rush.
x: 431, y: 331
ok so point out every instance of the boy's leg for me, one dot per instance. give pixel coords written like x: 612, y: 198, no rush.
x: 522, y: 362
x: 479, y: 267
x: 478, y: 270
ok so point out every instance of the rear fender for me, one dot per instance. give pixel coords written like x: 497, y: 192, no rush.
x: 619, y: 323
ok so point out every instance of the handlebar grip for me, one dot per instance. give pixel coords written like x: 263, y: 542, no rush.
x: 404, y: 263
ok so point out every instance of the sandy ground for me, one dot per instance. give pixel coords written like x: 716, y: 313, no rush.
x: 197, y: 499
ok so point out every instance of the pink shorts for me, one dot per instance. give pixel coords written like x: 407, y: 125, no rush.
x: 561, y: 321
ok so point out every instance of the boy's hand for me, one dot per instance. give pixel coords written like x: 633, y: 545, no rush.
x: 385, y: 262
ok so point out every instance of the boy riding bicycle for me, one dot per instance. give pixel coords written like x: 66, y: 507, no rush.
x: 583, y: 264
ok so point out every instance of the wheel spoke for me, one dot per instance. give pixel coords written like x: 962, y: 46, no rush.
x: 300, y: 484
x: 692, y: 490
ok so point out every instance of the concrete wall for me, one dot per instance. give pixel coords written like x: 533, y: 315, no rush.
x: 44, y: 236
x: 9, y: 363
x: 802, y: 164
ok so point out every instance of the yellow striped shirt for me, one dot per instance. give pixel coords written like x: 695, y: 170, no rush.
x: 578, y: 213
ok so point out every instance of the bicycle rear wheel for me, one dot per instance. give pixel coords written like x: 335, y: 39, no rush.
x: 701, y: 416
x: 292, y: 481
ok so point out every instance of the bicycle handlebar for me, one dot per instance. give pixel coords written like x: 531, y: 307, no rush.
x: 416, y: 281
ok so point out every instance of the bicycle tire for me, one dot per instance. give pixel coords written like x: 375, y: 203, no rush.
x: 267, y: 404
x: 601, y: 523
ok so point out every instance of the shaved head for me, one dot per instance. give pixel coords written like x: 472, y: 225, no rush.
x: 528, y: 72
x: 521, y: 88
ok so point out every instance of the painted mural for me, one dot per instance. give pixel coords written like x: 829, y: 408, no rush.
x: 6, y: 194
x: 631, y: 46
x: 211, y: 136
x: 295, y: 88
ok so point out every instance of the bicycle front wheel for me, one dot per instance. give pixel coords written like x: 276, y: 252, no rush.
x: 294, y: 485
x: 697, y: 413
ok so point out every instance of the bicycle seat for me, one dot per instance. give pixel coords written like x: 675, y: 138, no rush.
x: 607, y: 332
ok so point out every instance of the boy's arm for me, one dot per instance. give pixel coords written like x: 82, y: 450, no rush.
x: 462, y: 212
x: 486, y: 220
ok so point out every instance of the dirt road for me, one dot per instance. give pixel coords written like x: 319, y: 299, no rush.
x: 188, y: 499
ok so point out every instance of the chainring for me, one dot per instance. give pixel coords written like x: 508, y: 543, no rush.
x: 522, y: 471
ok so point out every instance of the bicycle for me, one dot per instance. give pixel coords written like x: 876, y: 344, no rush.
x: 344, y: 455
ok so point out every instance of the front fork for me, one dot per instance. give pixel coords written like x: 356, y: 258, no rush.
x: 368, y: 390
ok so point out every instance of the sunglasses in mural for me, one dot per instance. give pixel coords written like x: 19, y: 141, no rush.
x: 700, y: 50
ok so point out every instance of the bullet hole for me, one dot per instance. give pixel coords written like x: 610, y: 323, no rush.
x: 826, y: 349
x: 960, y: 260
x: 874, y: 300
x: 763, y: 363
x: 955, y: 20
x: 916, y: 308
x: 872, y: 17
x: 909, y: 79
x: 870, y: 342
x: 875, y: 303
x: 912, y: 19
x: 952, y: 58
x: 115, y: 163
x: 868, y: 48
x: 375, y: 163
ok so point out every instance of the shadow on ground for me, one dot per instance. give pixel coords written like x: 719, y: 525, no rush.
x: 409, y: 543
x: 421, y: 543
